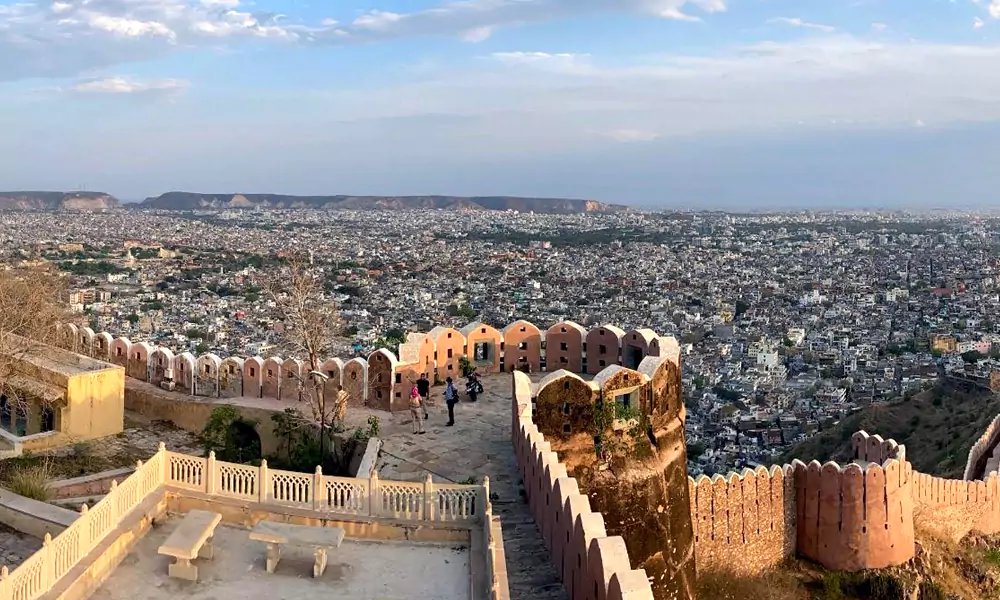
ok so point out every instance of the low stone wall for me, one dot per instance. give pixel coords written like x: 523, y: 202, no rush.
x: 191, y: 413
x: 89, y: 485
x: 33, y: 517
x: 592, y: 565
x: 369, y: 460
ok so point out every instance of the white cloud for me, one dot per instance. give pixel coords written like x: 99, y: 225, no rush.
x: 995, y: 9
x: 633, y: 135
x: 131, y: 27
x: 122, y: 85
x: 558, y: 100
x: 797, y: 22
x: 377, y: 20
x: 977, y: 23
x: 56, y: 38
x: 879, y: 27
x: 479, y: 34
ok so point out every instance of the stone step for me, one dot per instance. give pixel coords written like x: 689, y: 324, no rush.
x: 530, y: 573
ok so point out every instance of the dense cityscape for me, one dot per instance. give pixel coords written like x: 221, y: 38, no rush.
x: 787, y: 322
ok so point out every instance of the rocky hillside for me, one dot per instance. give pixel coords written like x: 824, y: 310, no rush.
x: 938, y: 426
x: 57, y: 201
x: 191, y: 201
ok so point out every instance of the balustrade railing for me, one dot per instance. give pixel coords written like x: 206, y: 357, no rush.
x: 355, y: 496
x: 360, y: 497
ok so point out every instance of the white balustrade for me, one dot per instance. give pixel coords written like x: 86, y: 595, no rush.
x: 325, y: 494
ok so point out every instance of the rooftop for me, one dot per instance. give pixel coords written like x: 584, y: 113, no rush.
x: 51, y: 358
x: 358, y: 570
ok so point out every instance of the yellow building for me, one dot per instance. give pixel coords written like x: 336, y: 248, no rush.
x: 944, y: 343
x: 51, y: 397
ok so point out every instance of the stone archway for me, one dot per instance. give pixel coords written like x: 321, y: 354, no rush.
x: 242, y: 442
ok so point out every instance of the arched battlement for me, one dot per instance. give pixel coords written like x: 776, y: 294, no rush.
x: 102, y: 346
x: 564, y: 405
x: 293, y: 374
x: 119, y: 352
x: 253, y: 376
x: 483, y: 346
x: 522, y: 347
x: 85, y: 341
x: 206, y: 382
x: 603, y: 348
x: 231, y: 377
x: 184, y: 372
x: 564, y: 347
x: 270, y: 383
x: 138, y: 361
x: 161, y: 361
x: 382, y: 365
x: 356, y: 381
x: 449, y: 348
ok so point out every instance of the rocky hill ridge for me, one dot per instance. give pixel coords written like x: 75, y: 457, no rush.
x: 194, y: 201
x: 28, y: 200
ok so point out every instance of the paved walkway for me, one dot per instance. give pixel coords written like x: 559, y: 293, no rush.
x: 479, y: 444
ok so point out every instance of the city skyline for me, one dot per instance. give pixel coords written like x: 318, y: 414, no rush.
x: 656, y: 103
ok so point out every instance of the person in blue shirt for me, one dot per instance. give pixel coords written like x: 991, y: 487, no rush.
x: 451, y: 399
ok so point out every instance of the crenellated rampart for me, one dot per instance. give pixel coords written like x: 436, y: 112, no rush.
x: 381, y: 380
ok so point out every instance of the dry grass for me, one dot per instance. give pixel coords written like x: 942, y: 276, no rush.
x: 31, y: 481
x: 772, y: 585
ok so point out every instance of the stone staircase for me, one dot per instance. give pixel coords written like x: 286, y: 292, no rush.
x: 530, y: 574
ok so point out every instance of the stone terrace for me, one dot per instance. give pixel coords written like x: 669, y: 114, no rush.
x: 356, y: 571
x: 479, y: 444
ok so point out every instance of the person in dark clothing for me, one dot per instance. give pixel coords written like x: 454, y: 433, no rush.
x: 450, y: 398
x: 424, y: 387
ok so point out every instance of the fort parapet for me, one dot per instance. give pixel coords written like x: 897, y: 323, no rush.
x: 381, y: 380
x: 846, y: 517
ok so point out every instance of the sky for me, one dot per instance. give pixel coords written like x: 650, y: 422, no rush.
x: 653, y: 103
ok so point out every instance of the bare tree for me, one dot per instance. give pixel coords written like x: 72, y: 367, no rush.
x: 312, y: 325
x: 32, y: 304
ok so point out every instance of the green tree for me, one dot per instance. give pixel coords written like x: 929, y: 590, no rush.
x: 132, y: 318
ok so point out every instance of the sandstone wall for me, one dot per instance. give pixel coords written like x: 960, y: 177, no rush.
x: 744, y: 522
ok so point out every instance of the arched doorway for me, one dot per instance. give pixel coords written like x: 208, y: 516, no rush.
x: 242, y: 443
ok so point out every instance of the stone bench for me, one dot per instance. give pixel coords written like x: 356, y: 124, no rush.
x: 320, y: 539
x: 192, y: 539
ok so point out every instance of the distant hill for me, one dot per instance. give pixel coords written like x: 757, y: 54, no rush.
x: 192, y: 201
x: 937, y: 426
x: 57, y: 201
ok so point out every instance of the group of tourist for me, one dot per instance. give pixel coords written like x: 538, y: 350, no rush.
x: 420, y: 394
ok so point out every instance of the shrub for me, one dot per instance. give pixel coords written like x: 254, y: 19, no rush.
x: 31, y: 482
x: 931, y: 591
x: 771, y: 585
